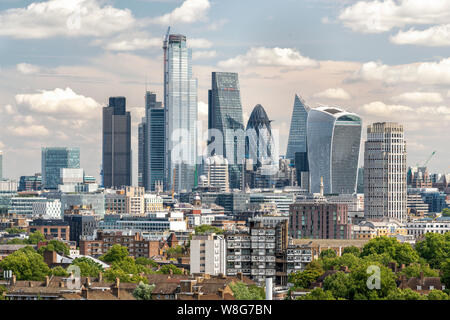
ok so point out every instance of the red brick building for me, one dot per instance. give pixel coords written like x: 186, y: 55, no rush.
x: 319, y: 220
x: 136, y: 244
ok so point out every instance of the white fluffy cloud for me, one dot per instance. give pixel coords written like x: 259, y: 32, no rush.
x: 436, y: 36
x: 189, y: 12
x: 29, y: 131
x: 381, y: 109
x: 133, y: 44
x: 432, y: 73
x: 208, y: 54
x: 419, y: 97
x: 261, y: 56
x: 59, y: 102
x: 26, y: 68
x: 334, y: 93
x: 64, y: 18
x: 381, y: 16
x: 199, y: 43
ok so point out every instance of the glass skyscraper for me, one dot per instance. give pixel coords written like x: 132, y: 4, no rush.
x: 334, y: 138
x: 297, y: 133
x: 116, y: 144
x: 142, y: 153
x: 225, y: 115
x: 181, y: 113
x: 55, y: 159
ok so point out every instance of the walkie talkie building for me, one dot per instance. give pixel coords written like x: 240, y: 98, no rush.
x: 334, y: 139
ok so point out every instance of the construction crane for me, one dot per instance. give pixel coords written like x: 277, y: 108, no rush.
x: 428, y: 160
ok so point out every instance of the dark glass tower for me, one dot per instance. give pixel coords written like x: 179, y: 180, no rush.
x: 116, y: 144
x: 142, y: 153
x: 225, y: 115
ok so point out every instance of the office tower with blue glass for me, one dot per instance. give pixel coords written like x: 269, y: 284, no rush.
x: 297, y: 144
x: 142, y: 153
x: 155, y: 142
x: 55, y: 159
x: 116, y: 144
x: 181, y: 113
x: 334, y: 138
x: 225, y: 115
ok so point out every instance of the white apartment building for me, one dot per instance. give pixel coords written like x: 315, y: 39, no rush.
x: 216, y: 173
x: 385, y: 189
x: 419, y: 227
x: 50, y: 209
x: 208, y: 254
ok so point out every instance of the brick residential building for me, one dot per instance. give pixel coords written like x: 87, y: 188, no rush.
x: 319, y: 220
x: 55, y: 228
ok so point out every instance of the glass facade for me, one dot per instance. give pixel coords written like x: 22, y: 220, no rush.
x: 155, y: 142
x: 334, y: 138
x: 297, y: 133
x: 181, y: 112
x: 225, y: 114
x: 55, y: 159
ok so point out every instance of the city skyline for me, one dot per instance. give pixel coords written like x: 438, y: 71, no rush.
x: 272, y: 66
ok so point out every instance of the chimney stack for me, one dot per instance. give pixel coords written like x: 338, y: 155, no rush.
x: 100, y: 276
x: 84, y: 293
x: 115, y: 289
x: 47, y: 281
x: 13, y: 280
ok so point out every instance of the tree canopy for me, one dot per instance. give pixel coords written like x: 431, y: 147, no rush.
x: 241, y: 291
x: 88, y: 267
x: 434, y: 248
x: 204, y: 229
x: 55, y: 245
x: 143, y: 291
x: 26, y: 264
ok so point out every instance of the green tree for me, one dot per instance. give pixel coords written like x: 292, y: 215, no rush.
x: 445, y: 269
x: 401, y: 253
x: 318, y: 294
x: 26, y: 264
x: 15, y: 231
x: 437, y: 295
x: 364, y: 274
x: 175, y: 252
x: 115, y: 253
x: 59, y: 272
x: 204, y: 229
x: 35, y: 238
x: 2, y: 292
x: 353, y: 250
x: 340, y: 285
x: 112, y: 273
x: 434, y: 248
x: 404, y: 294
x: 143, y: 291
x: 329, y: 253
x: 303, y: 279
x: 165, y: 269
x: 88, y: 267
x: 346, y: 260
x: 446, y: 212
x: 55, y: 245
x: 414, y: 270
x: 241, y: 291
x: 146, y: 262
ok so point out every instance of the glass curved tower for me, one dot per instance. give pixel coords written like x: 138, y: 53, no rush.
x: 259, y: 143
x: 297, y: 133
x: 334, y: 139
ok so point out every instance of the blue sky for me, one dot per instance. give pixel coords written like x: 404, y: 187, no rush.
x: 385, y: 60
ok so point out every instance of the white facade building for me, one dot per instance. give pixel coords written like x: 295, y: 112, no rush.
x: 50, y: 209
x: 385, y: 190
x: 216, y: 172
x: 208, y: 254
x: 418, y: 228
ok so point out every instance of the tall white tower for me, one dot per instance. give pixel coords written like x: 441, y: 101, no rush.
x: 385, y: 190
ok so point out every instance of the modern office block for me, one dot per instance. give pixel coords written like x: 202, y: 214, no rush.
x: 181, y: 113
x: 116, y: 144
x: 297, y: 133
x: 225, y: 116
x: 55, y: 159
x: 334, y: 138
x: 385, y: 190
